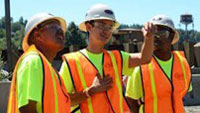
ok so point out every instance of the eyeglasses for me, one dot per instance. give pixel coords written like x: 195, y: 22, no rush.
x: 52, y: 25
x: 162, y: 34
x: 104, y: 26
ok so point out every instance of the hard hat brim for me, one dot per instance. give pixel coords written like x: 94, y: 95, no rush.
x: 82, y: 26
x: 176, y: 38
x: 25, y: 44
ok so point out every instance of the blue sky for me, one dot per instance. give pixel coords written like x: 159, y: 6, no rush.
x: 126, y: 11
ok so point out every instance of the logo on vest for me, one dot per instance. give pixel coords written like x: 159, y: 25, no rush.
x: 178, y: 76
x: 108, y: 65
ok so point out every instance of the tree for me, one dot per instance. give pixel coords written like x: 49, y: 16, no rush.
x: 2, y: 33
x: 193, y: 35
x: 17, y: 26
x: 134, y: 26
x: 75, y: 36
x: 2, y: 23
x: 22, y: 21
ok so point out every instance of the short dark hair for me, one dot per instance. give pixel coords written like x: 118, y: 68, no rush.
x: 90, y: 22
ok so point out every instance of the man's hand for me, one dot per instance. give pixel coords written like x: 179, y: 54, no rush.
x: 100, y: 84
x: 148, y: 30
x: 29, y: 108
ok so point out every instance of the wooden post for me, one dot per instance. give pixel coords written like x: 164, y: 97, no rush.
x: 8, y: 34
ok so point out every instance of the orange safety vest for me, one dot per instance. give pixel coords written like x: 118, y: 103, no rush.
x: 83, y: 72
x: 162, y: 95
x: 54, y: 98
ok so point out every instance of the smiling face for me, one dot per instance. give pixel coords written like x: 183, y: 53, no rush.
x: 163, y: 38
x: 100, y: 31
x: 50, y: 35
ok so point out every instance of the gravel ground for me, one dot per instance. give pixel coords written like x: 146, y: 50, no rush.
x: 192, y: 109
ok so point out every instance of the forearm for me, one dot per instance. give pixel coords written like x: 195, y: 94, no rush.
x: 98, y: 85
x: 144, y: 57
x: 147, y: 50
x: 79, y: 97
x: 29, y: 108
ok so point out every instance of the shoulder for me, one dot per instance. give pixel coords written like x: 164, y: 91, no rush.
x: 180, y: 55
x: 70, y: 56
x: 30, y: 59
x: 136, y: 71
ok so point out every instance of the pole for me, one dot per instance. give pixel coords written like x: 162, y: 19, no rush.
x: 8, y: 34
x: 186, y: 32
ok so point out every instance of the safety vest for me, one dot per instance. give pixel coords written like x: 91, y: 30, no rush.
x: 54, y: 97
x: 83, y: 73
x: 162, y: 95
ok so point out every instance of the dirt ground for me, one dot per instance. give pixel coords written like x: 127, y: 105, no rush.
x: 192, y: 109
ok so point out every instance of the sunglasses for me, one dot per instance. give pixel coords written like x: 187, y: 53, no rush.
x: 51, y: 25
x: 104, y: 26
x: 162, y: 32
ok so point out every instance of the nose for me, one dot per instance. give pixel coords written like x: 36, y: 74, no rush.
x: 107, y: 32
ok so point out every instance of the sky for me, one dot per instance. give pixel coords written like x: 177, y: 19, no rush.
x: 126, y: 11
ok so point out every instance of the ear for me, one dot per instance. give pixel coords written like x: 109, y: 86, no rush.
x: 37, y: 36
x: 88, y: 27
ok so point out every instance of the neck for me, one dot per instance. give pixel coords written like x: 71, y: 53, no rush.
x: 163, y: 55
x: 94, y: 48
x: 49, y: 54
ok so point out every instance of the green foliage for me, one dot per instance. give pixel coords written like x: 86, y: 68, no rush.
x: 74, y: 36
x: 2, y: 43
x: 2, y: 23
x: 3, y: 74
x: 134, y: 26
x: 2, y: 33
x: 192, y: 36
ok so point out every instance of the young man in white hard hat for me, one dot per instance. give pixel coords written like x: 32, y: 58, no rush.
x: 36, y: 86
x: 159, y: 87
x: 92, y: 75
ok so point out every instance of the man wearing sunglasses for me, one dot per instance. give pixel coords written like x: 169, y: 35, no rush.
x: 159, y: 87
x: 36, y: 86
x: 92, y: 75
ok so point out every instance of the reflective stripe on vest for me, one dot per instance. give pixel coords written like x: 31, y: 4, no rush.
x: 117, y: 81
x: 153, y: 88
x: 53, y: 98
x: 184, y: 69
x: 160, y: 94
x: 80, y: 72
x: 83, y: 73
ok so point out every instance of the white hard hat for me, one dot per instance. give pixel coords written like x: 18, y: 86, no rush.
x: 37, y: 19
x: 99, y: 12
x: 166, y: 21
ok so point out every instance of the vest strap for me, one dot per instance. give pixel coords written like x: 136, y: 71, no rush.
x: 117, y: 81
x: 153, y: 88
x: 83, y: 82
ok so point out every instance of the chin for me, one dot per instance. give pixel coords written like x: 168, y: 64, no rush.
x: 59, y: 47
